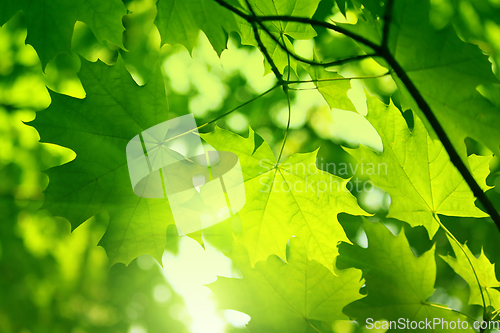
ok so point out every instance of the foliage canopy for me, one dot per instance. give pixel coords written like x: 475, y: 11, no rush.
x: 417, y: 79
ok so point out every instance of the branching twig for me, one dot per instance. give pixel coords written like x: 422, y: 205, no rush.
x: 383, y: 51
x: 312, y: 62
x: 275, y: 70
x: 305, y: 20
x: 341, y: 78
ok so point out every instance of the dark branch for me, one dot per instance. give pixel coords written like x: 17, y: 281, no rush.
x: 387, y: 22
x: 305, y: 20
x: 275, y: 70
x: 312, y: 62
x: 427, y: 111
x: 443, y: 137
x: 384, y: 52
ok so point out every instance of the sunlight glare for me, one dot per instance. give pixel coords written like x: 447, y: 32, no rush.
x: 188, y: 273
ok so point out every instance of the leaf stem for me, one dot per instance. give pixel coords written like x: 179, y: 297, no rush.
x: 449, y: 309
x: 340, y: 78
x: 287, y: 93
x: 450, y: 235
x: 310, y: 324
x: 225, y: 114
x: 239, y: 106
x: 287, y: 125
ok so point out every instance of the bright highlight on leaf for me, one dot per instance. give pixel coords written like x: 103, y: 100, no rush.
x: 296, y: 296
x: 293, y: 198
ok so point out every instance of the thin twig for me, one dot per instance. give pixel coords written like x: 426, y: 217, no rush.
x: 341, y: 78
x: 305, y: 20
x: 287, y: 93
x: 275, y: 70
x: 383, y: 51
x: 312, y: 62
x: 224, y: 114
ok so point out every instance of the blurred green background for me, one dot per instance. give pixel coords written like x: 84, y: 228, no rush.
x: 52, y: 280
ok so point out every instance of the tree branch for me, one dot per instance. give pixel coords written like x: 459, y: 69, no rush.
x: 443, y: 137
x: 383, y: 51
x: 312, y: 62
x: 387, y: 20
x: 275, y: 70
x: 431, y: 118
x: 305, y: 20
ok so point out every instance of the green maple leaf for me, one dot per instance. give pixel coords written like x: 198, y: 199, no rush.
x: 287, y: 297
x: 295, y: 198
x: 484, y: 269
x: 447, y: 72
x: 98, y: 128
x: 181, y: 21
x: 398, y: 284
x: 50, y: 23
x: 416, y: 171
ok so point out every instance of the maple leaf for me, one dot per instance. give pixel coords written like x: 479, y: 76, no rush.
x: 181, y: 22
x: 50, y: 23
x: 98, y: 128
x: 417, y: 172
x: 293, y: 198
x: 482, y: 267
x: 447, y: 72
x: 398, y: 284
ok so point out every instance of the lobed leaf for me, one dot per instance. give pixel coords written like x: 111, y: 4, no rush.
x: 417, y: 172
x: 98, y: 128
x: 398, y: 284
x: 484, y: 269
x: 292, y: 199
